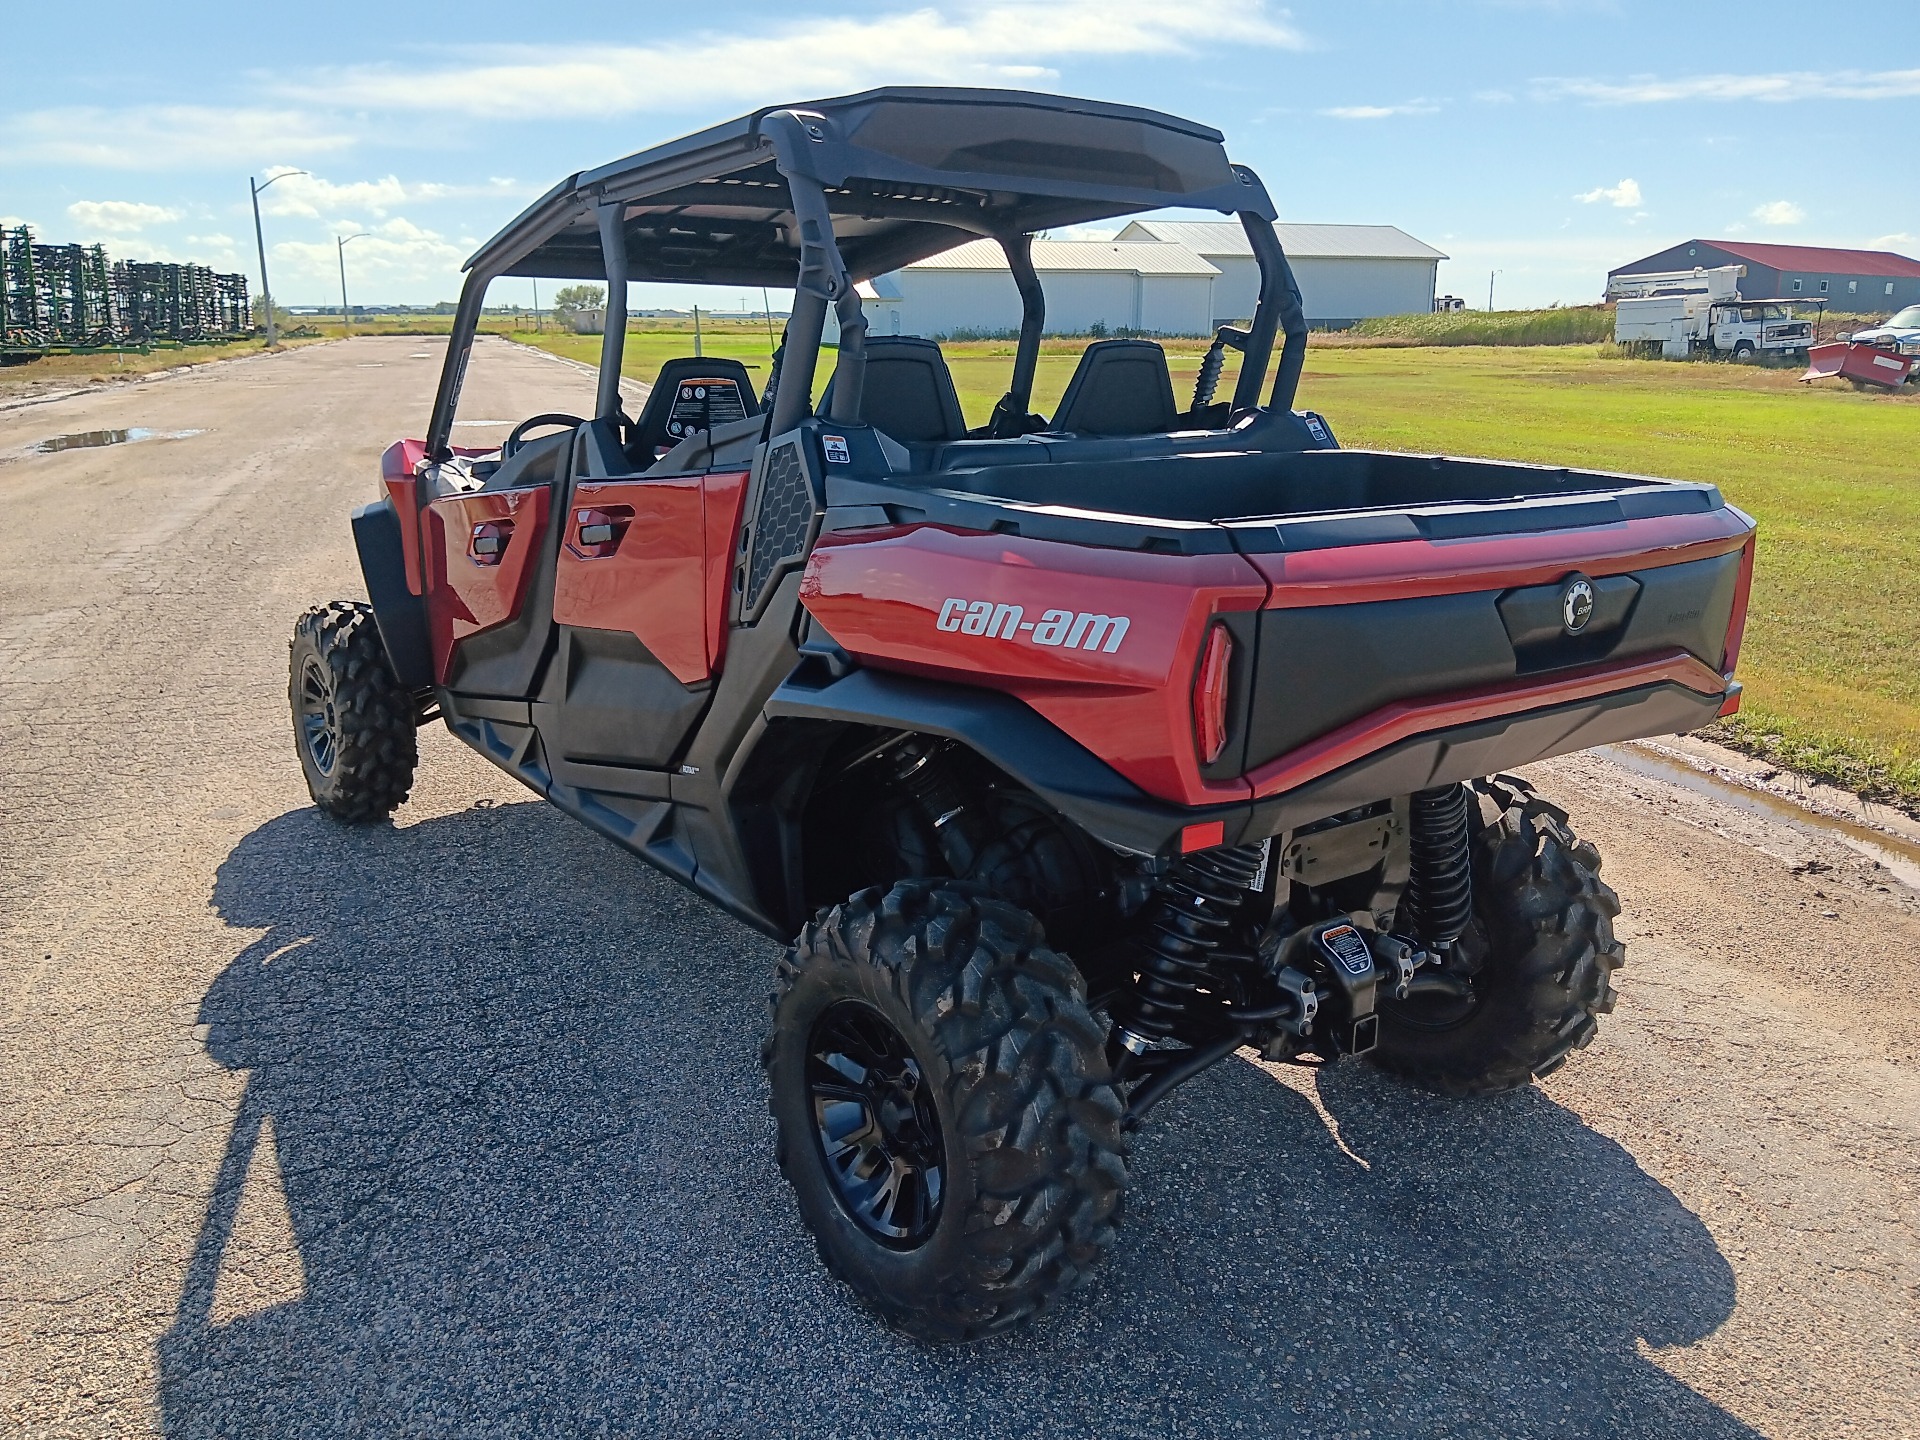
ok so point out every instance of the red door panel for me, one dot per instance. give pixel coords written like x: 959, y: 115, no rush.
x: 478, y: 551
x: 653, y: 558
x: 725, y: 494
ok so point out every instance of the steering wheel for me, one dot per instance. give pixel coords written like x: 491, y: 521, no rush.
x: 513, y: 441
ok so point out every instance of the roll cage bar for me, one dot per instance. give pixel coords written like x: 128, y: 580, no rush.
x: 733, y: 204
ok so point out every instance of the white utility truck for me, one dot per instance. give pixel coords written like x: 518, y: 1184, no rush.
x: 1688, y: 310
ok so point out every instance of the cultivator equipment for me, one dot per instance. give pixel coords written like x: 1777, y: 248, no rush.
x: 68, y: 297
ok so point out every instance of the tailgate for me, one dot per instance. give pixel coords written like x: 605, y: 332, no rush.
x: 1381, y: 621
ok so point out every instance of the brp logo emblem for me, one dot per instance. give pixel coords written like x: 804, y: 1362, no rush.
x: 1576, y: 604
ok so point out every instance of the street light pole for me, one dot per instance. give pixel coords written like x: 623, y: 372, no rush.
x: 266, y: 290
x: 340, y: 245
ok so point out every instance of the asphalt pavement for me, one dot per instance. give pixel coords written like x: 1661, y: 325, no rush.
x: 455, y: 1127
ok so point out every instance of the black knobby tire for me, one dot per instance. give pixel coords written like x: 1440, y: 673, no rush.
x: 353, y: 725
x: 1543, y: 935
x: 1015, y: 1066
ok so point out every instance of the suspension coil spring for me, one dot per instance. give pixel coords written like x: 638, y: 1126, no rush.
x: 1439, y: 899
x: 925, y: 771
x: 1208, y: 380
x: 1191, y: 911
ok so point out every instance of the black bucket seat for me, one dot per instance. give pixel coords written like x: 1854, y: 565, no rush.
x: 1120, y: 387
x: 908, y: 392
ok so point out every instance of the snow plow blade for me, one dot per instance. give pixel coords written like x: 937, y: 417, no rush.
x: 1864, y: 364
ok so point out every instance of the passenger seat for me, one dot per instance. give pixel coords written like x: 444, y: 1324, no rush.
x: 908, y: 392
x: 1121, y: 387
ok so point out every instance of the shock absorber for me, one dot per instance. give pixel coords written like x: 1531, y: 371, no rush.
x: 925, y: 771
x: 1184, y: 923
x: 1211, y: 364
x: 1439, y: 898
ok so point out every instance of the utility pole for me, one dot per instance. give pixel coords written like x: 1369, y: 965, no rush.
x: 266, y: 290
x: 696, y: 332
x: 346, y: 315
x: 536, y: 305
x: 1490, y: 275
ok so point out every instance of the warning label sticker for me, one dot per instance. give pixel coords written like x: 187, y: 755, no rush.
x: 1348, y: 949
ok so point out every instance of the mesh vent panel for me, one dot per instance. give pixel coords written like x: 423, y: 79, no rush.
x: 783, y: 521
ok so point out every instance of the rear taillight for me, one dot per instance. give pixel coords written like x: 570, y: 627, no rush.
x: 1737, y: 628
x: 1210, y: 695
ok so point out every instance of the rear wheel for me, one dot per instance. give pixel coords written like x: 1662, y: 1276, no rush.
x: 1543, y: 939
x: 945, y: 1111
x: 353, y: 725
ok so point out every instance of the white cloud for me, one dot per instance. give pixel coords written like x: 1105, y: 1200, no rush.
x: 1879, y: 242
x: 990, y: 43
x: 1779, y: 212
x: 313, y: 196
x: 164, y: 136
x: 1624, y: 196
x: 1379, y: 112
x: 118, y: 217
x: 396, y: 254
x: 1778, y: 87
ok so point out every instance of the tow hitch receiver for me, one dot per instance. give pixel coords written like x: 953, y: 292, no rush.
x: 1351, y: 961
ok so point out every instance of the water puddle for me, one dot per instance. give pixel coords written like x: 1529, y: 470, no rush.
x: 1900, y: 857
x: 95, y: 439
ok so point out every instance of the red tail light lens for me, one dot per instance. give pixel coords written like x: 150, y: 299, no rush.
x: 1210, y: 695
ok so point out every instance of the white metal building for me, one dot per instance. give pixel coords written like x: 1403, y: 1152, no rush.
x: 1150, y: 287
x: 1346, y: 272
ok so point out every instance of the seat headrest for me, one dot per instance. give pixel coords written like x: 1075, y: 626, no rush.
x: 908, y: 391
x: 1120, y: 387
x: 692, y: 393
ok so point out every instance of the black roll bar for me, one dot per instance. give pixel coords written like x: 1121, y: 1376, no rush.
x: 613, y: 341
x: 1280, y: 309
x: 453, y: 371
x: 822, y: 281
x: 1010, y: 415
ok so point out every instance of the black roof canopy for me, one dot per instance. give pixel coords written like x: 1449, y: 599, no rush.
x: 907, y: 173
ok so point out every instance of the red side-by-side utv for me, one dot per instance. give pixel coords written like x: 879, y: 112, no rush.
x: 1071, y: 753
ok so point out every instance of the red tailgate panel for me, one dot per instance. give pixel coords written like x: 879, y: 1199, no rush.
x: 469, y: 592
x: 1403, y: 569
x: 1101, y: 642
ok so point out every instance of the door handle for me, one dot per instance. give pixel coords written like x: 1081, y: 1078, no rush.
x: 597, y: 533
x: 488, y: 544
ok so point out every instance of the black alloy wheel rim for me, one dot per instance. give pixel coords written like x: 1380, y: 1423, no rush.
x: 876, y: 1124
x: 319, y: 721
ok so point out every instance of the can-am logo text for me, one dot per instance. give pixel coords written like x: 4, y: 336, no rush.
x: 1071, y: 629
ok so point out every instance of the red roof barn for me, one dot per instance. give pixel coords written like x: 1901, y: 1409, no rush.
x: 1858, y: 281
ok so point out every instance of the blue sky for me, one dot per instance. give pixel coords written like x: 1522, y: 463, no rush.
x: 1544, y: 139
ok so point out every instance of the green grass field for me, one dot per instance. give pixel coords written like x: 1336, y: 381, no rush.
x: 1832, y: 655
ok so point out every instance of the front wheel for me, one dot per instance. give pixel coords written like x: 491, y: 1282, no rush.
x: 353, y: 725
x: 945, y: 1111
x: 1542, y: 935
x: 1743, y: 351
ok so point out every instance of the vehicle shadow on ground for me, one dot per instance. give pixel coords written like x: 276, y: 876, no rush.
x: 509, y: 1077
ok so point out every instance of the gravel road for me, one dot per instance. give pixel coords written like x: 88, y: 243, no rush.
x: 455, y: 1127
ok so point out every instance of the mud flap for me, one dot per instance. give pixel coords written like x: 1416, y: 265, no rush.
x: 400, y: 614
